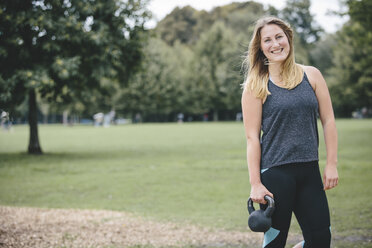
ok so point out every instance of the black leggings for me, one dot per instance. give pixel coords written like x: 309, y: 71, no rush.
x: 297, y: 188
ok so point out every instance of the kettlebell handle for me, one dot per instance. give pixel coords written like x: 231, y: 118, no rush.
x: 270, y: 208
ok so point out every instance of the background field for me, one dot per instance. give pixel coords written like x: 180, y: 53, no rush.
x: 193, y: 173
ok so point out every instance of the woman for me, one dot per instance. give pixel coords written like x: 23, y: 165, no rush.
x: 282, y: 100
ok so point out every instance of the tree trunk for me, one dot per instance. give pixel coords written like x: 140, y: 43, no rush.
x: 34, y: 146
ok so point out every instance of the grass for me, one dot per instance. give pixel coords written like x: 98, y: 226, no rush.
x: 193, y: 173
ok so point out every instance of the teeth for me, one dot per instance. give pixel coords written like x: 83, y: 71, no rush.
x: 277, y: 51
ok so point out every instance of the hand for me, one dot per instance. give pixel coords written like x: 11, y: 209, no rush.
x: 330, y: 177
x: 258, y: 192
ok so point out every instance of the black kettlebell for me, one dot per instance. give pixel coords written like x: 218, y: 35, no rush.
x: 260, y: 220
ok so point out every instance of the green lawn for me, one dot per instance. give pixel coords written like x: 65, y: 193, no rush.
x: 193, y: 173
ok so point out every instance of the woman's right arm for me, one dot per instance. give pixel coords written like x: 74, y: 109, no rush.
x: 252, y: 114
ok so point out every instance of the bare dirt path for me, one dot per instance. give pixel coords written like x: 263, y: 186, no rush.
x: 33, y: 227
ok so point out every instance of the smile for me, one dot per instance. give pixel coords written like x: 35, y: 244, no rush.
x: 277, y: 51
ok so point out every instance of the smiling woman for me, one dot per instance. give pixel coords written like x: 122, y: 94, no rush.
x: 274, y: 43
x: 271, y: 34
x: 280, y: 106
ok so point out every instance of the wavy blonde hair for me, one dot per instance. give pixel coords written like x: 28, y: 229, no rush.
x: 256, y: 63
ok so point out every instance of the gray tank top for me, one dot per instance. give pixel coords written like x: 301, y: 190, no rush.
x: 289, y: 125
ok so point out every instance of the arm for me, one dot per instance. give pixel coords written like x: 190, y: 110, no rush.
x: 252, y: 113
x: 330, y: 176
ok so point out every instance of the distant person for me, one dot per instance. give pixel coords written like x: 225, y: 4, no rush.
x: 6, y: 124
x: 137, y: 118
x: 364, y: 111
x: 180, y: 117
x: 282, y: 100
x: 98, y: 119
x: 205, y: 117
x: 109, y: 118
x: 239, y: 116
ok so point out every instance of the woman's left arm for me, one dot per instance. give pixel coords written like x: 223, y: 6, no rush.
x: 330, y: 176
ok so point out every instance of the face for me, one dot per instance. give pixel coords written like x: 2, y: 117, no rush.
x: 274, y: 43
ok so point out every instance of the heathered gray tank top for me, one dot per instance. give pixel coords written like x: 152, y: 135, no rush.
x: 289, y: 125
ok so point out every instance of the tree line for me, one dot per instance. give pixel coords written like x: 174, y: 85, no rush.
x: 95, y: 56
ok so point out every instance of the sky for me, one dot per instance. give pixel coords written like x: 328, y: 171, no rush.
x: 319, y: 9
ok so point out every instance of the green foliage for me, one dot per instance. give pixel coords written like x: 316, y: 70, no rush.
x: 239, y: 17
x: 65, y: 50
x: 178, y: 25
x: 351, y: 75
x: 177, y: 79
x: 359, y: 10
x: 187, y: 24
x: 306, y: 31
x: 161, y: 86
x: 322, y: 53
x: 297, y: 13
x: 216, y: 53
x: 193, y: 173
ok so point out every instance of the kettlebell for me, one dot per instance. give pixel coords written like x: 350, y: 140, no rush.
x: 260, y: 220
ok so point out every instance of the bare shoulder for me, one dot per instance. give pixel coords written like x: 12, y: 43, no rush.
x: 314, y: 75
x: 250, y: 102
x: 312, y: 71
x: 248, y: 96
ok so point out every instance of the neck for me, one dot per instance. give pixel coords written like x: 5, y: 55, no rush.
x: 275, y: 69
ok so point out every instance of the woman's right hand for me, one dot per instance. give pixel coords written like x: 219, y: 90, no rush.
x: 258, y: 191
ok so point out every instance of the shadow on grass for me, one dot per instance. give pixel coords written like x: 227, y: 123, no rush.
x: 23, y: 158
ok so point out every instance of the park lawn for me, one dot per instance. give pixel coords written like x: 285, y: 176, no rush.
x: 191, y: 172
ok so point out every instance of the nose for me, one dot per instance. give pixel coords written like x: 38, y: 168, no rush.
x: 275, y: 43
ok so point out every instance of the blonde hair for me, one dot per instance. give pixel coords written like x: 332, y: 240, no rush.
x: 256, y: 63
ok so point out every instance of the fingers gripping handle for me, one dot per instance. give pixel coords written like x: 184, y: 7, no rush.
x: 269, y: 210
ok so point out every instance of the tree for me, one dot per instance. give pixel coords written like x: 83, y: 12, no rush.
x: 351, y: 76
x: 322, y: 54
x: 158, y: 90
x: 217, y: 40
x: 186, y: 24
x: 67, y: 51
x: 201, y: 79
x: 178, y: 25
x: 297, y: 13
x: 240, y: 17
x: 306, y: 30
x: 215, y: 53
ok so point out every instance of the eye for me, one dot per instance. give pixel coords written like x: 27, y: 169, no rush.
x: 267, y: 40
